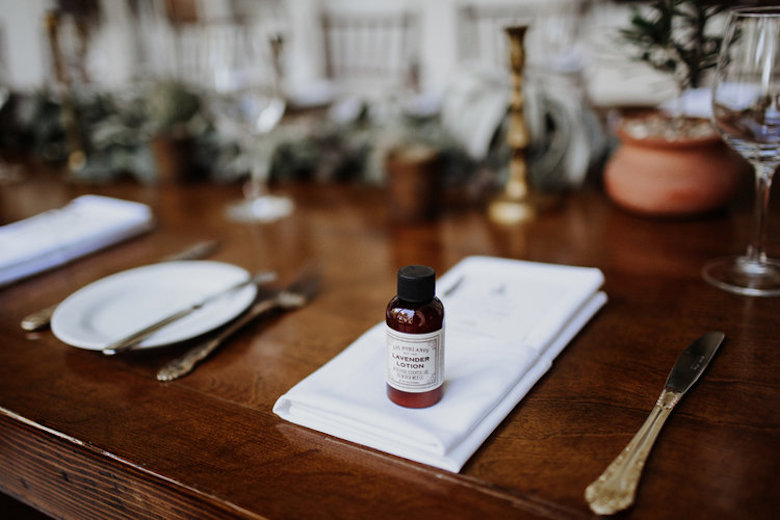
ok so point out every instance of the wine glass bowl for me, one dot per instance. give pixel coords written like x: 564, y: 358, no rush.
x: 746, y: 113
x: 246, y: 106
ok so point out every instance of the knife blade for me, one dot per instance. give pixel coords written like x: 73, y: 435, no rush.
x: 41, y: 318
x: 615, y: 489
x: 196, y: 251
x: 692, y: 362
x: 131, y: 341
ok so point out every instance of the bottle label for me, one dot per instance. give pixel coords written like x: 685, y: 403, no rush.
x: 415, y: 362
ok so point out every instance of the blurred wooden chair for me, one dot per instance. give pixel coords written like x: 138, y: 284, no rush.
x: 369, y: 52
x: 174, y: 38
x: 480, y: 29
x: 550, y: 42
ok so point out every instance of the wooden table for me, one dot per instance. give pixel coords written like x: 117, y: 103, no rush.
x: 86, y: 436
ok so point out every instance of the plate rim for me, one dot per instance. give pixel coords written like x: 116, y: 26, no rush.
x: 246, y: 296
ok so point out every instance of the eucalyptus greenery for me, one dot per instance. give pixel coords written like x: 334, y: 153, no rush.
x: 173, y: 108
x: 117, y: 128
x: 670, y: 35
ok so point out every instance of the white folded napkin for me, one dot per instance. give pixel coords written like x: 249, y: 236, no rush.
x: 84, y: 225
x: 505, y: 321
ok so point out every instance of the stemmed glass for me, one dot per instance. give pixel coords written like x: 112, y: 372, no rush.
x: 247, y: 105
x: 746, y: 112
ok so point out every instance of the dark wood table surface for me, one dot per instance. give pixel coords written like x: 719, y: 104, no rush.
x: 87, y: 436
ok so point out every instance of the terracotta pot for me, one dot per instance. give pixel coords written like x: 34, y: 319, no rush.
x: 659, y: 177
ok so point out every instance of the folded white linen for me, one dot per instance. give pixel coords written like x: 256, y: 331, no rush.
x: 55, y: 237
x: 505, y: 322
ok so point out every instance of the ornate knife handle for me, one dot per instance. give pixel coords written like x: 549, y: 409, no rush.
x: 184, y: 364
x: 614, y: 490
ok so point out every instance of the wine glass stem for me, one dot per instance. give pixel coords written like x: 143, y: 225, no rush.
x: 255, y: 187
x: 764, y: 174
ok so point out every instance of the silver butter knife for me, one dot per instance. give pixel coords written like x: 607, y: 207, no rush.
x: 133, y: 340
x: 294, y: 296
x: 615, y: 489
x: 41, y: 318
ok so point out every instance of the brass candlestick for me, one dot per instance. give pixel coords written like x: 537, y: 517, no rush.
x: 77, y: 157
x: 516, y: 203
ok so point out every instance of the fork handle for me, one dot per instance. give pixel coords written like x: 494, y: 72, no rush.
x: 184, y: 364
x: 615, y: 489
x: 39, y: 319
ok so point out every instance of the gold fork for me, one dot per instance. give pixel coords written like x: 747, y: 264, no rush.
x: 294, y: 296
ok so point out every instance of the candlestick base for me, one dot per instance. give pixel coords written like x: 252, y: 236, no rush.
x: 507, y: 210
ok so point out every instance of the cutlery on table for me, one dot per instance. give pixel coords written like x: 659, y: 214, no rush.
x: 614, y: 490
x: 454, y: 287
x: 296, y: 295
x: 131, y: 341
x: 41, y: 318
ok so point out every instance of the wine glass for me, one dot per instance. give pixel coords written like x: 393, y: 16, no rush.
x: 247, y: 105
x: 746, y: 112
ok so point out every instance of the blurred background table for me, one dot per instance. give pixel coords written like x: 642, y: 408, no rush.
x: 83, y: 435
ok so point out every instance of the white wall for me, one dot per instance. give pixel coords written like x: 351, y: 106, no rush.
x: 23, y: 33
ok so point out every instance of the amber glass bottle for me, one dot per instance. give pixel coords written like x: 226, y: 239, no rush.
x: 415, y: 340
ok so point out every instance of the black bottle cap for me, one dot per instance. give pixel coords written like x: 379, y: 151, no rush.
x: 416, y: 283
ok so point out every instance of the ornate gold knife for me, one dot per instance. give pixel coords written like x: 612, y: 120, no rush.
x: 614, y: 490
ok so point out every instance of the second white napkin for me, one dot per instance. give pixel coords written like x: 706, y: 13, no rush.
x: 505, y: 322
x: 86, y: 224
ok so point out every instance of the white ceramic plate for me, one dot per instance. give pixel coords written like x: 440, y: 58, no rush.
x: 118, y: 305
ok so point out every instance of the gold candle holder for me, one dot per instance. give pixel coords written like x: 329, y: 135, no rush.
x: 77, y: 157
x: 516, y: 203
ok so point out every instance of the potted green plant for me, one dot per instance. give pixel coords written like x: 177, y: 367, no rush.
x: 672, y: 165
x: 174, y: 118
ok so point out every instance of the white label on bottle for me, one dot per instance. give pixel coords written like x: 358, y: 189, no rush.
x: 415, y: 362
